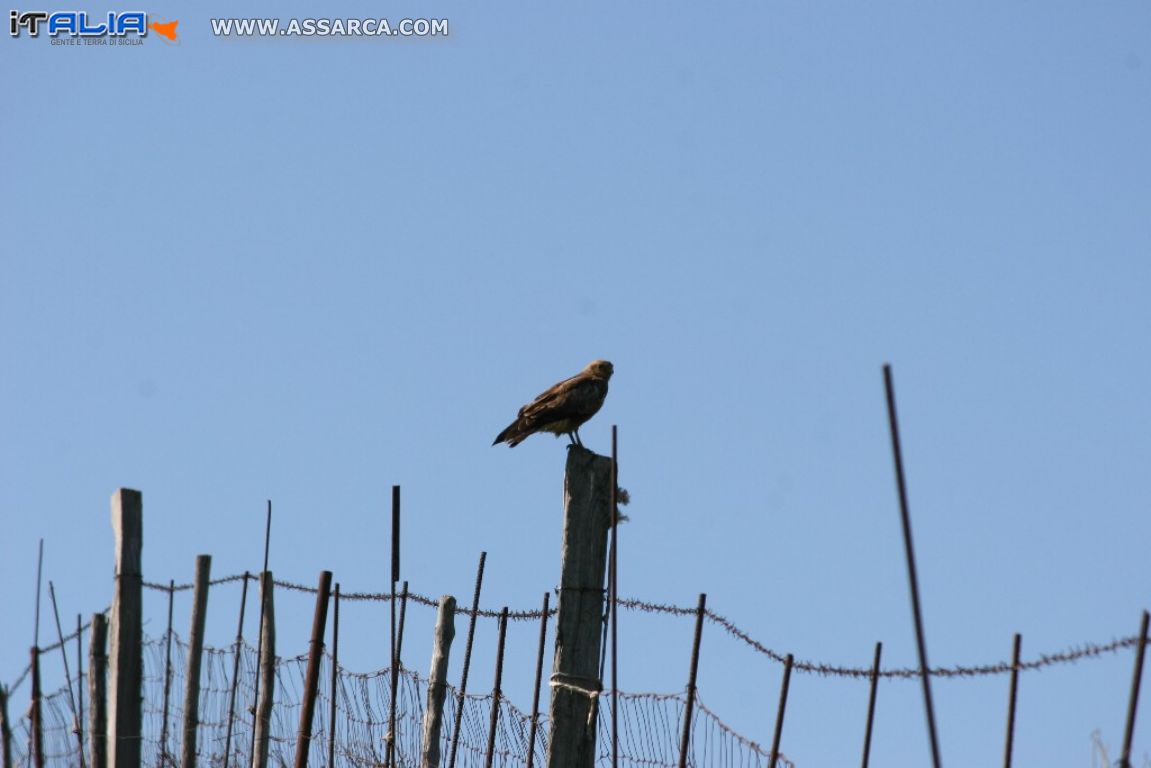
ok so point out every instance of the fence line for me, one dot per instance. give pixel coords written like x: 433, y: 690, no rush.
x: 364, y: 712
x: 1087, y: 650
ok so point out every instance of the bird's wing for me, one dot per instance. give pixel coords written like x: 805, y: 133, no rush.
x: 581, y: 395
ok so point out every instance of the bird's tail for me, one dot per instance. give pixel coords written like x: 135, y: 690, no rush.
x: 513, y: 434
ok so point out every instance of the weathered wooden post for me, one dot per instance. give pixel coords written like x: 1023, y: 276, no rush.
x: 267, y: 662
x: 438, y: 681
x: 98, y: 692
x: 575, y: 681
x: 5, y: 730
x: 36, y: 712
x: 195, y: 656
x: 312, y: 676
x: 126, y: 666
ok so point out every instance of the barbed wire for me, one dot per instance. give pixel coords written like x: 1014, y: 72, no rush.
x: 1080, y: 652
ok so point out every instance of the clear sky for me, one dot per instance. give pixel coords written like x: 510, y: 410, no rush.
x: 304, y: 270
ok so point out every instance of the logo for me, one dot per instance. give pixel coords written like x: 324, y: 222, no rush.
x: 167, y: 29
x: 82, y: 28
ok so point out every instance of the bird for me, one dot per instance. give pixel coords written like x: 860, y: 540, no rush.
x: 563, y: 407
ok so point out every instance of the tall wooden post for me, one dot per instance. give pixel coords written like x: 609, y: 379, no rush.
x: 5, y: 730
x: 98, y: 692
x: 126, y: 667
x: 312, y: 676
x: 438, y: 681
x: 575, y: 678
x: 195, y: 656
x: 267, y: 662
x: 36, y: 712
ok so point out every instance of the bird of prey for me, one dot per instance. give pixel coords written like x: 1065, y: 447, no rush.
x: 562, y: 408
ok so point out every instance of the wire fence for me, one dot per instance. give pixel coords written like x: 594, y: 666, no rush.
x: 649, y: 724
x: 1070, y: 655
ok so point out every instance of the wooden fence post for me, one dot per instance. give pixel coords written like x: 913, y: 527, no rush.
x: 438, y: 681
x: 195, y: 656
x: 36, y: 712
x: 267, y: 662
x: 312, y: 676
x: 126, y: 663
x: 5, y: 730
x: 98, y: 692
x: 575, y: 681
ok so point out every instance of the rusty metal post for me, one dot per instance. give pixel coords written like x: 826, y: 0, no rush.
x: 312, y: 676
x: 613, y: 598
x: 912, y: 578
x: 467, y: 662
x: 685, y: 741
x: 390, y: 760
x: 535, y: 721
x: 497, y: 691
x: 335, y: 680
x: 775, y: 739
x: 80, y: 685
x: 871, y: 704
x: 1133, y: 701
x: 76, y: 729
x: 164, y: 753
x: 1011, y: 698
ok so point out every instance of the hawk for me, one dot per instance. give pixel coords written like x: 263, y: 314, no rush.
x: 562, y: 408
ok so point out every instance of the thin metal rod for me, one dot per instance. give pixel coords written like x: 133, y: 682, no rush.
x: 235, y: 672
x: 871, y: 704
x: 67, y: 672
x: 39, y: 574
x: 260, y: 629
x: 685, y: 741
x: 267, y: 536
x: 614, y: 597
x: 1133, y: 702
x: 335, y: 677
x: 80, y: 685
x: 913, y: 580
x: 400, y: 630
x: 497, y: 692
x: 539, y: 679
x: 467, y: 662
x: 397, y: 665
x: 1011, y: 697
x: 395, y: 533
x: 395, y: 672
x: 775, y: 739
x: 167, y: 677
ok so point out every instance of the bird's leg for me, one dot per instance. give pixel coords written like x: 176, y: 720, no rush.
x: 577, y: 440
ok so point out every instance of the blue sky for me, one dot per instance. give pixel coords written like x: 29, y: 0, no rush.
x: 306, y: 270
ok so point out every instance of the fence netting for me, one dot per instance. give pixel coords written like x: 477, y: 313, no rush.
x: 650, y: 724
